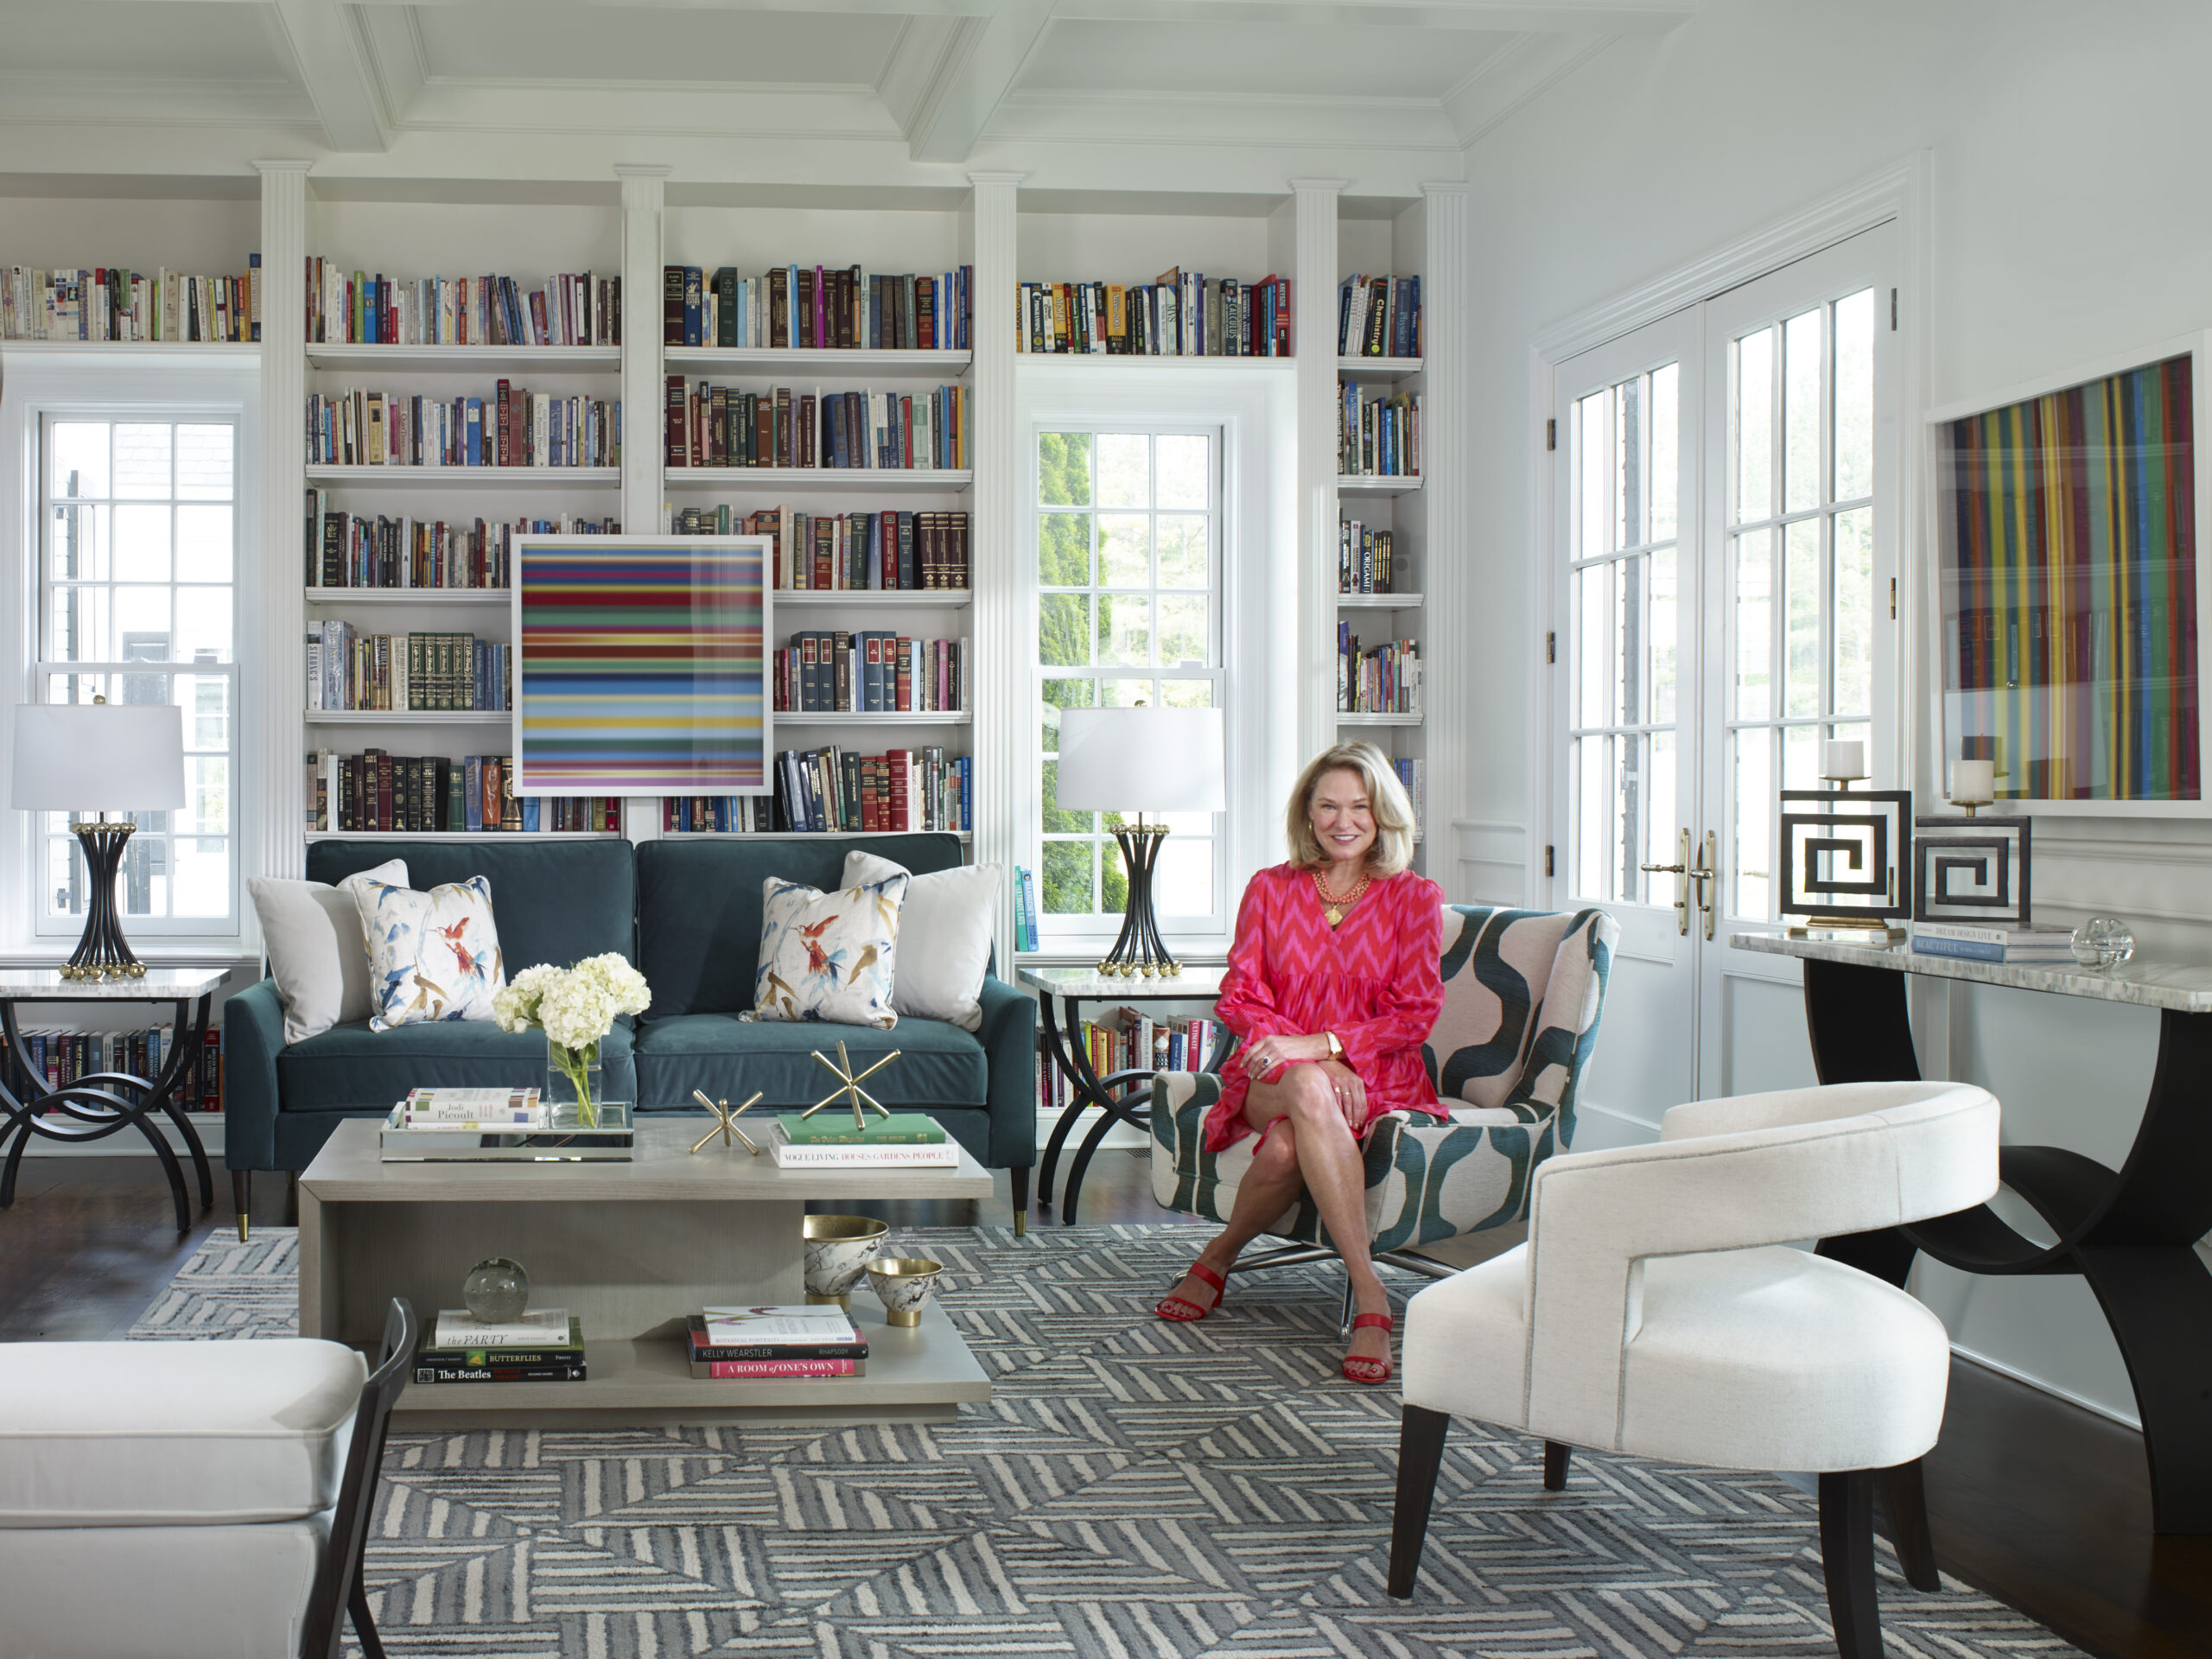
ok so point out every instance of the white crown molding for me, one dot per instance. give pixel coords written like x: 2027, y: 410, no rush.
x: 1228, y: 120
x: 87, y: 98
x: 1527, y: 66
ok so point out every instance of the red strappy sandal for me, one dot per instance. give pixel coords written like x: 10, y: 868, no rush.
x: 1181, y: 1310
x: 1369, y: 1370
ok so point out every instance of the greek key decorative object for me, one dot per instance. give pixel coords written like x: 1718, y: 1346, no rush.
x: 1848, y: 868
x: 1971, y: 870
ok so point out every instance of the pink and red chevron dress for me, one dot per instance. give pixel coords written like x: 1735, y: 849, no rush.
x: 1373, y: 981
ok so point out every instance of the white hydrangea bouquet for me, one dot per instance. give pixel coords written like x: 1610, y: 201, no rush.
x: 575, y: 1007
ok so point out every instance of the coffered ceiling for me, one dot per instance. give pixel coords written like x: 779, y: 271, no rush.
x: 945, y: 80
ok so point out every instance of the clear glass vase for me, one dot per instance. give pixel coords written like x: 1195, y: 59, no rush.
x: 573, y: 1079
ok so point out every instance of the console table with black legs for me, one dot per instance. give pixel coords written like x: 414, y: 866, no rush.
x: 1121, y: 1096
x: 101, y: 1104
x: 2131, y: 1233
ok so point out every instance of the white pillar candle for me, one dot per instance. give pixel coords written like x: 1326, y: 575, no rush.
x: 1846, y: 758
x: 1973, y: 780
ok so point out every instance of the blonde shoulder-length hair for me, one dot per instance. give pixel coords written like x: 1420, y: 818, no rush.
x: 1394, y: 813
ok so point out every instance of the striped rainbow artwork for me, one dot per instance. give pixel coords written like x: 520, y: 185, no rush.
x: 639, y: 667
x: 2069, y: 590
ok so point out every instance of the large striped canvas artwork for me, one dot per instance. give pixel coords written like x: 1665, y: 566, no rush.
x: 2069, y: 589
x: 638, y: 665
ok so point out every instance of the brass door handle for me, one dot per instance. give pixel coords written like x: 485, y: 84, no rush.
x: 1679, y: 866
x: 1709, y: 870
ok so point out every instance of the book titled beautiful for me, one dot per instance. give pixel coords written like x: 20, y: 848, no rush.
x: 1970, y: 941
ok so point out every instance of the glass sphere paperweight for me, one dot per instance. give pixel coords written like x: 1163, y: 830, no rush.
x: 496, y: 1291
x: 2103, y: 942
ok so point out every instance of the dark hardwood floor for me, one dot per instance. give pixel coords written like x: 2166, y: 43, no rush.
x: 2032, y: 1499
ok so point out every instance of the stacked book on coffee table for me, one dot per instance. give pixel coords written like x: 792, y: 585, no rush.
x: 544, y: 1345
x: 829, y: 1140
x: 503, y: 1126
x: 767, y: 1343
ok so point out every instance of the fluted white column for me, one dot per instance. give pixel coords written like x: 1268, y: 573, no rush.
x: 644, y: 195
x: 1001, y: 678
x: 1314, y: 272
x: 1448, y: 729
x: 275, y: 702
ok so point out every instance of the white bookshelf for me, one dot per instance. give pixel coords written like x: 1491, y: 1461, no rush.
x: 822, y: 480
x: 1308, y: 233
x: 502, y: 478
x: 1424, y: 513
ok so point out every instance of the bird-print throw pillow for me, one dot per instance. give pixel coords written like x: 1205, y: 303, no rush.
x: 432, y: 955
x: 830, y: 956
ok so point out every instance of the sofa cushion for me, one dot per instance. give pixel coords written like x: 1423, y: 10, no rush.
x: 167, y: 1433
x: 354, y: 1069
x: 317, y: 952
x: 830, y: 957
x: 558, y: 901
x: 433, y: 955
x: 699, y: 906
x: 939, y: 1065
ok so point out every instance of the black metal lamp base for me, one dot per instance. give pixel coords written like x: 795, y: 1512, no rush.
x: 1140, y: 952
x: 103, y: 953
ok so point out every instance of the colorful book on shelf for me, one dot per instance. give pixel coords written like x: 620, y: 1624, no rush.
x: 905, y: 1155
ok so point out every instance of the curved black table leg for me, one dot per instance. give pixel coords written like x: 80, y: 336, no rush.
x: 1112, y: 1110
x: 2130, y: 1233
x: 163, y: 1097
x: 1056, y: 1047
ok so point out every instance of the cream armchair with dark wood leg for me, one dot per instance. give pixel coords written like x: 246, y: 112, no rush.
x: 1657, y: 1311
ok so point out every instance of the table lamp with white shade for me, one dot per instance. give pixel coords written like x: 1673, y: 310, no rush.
x: 1141, y: 761
x: 100, y: 757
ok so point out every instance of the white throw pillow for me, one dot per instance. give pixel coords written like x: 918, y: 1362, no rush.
x: 432, y: 955
x: 944, y: 937
x: 829, y: 955
x: 317, y: 952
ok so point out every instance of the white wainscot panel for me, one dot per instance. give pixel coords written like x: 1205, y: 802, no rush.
x: 1764, y: 1044
x: 1491, y: 857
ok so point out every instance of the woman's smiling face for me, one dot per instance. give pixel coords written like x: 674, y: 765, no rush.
x: 1342, y: 816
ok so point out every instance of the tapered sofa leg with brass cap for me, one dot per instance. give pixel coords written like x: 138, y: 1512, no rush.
x: 242, y: 1199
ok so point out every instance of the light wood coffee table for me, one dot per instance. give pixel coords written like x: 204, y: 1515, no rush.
x: 631, y: 1250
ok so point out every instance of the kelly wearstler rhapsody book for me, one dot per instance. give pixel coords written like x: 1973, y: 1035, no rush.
x: 867, y: 1153
x: 792, y: 1341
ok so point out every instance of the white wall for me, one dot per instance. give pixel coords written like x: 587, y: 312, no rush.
x: 2067, y: 149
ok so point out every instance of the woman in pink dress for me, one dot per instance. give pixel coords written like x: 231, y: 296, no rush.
x: 1333, y: 985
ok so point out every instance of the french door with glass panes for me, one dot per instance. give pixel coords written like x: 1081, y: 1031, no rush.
x: 1725, y: 498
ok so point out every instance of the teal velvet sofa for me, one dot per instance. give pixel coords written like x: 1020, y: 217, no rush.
x: 686, y: 910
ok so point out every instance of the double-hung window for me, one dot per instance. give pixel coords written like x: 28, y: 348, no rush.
x: 136, y: 602
x: 1129, y: 587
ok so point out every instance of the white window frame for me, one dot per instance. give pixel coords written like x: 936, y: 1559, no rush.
x: 109, y: 384
x: 1254, y: 414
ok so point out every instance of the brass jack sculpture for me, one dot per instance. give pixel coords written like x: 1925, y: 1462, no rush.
x: 726, y: 1116
x: 849, y: 1087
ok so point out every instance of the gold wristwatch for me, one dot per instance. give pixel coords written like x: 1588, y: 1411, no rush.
x: 1336, y: 1045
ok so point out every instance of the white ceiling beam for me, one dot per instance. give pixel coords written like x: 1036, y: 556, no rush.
x: 332, y: 60
x: 396, y: 55
x: 976, y: 80
x: 1496, y: 16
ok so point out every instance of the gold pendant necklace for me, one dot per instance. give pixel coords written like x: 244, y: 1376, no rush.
x: 1333, y: 907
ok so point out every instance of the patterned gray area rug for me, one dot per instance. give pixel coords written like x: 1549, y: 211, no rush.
x: 1133, y: 1491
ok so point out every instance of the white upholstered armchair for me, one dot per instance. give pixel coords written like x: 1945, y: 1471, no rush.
x: 1657, y: 1311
